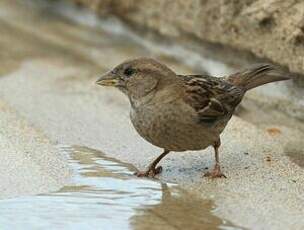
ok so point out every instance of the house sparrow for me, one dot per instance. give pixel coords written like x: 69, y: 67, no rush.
x: 183, y: 112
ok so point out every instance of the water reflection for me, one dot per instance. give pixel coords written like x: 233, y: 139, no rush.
x: 104, y: 194
x: 178, y: 209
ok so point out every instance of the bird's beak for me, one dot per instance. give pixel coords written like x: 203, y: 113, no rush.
x: 108, y: 79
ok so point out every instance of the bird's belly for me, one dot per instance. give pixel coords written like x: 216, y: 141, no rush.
x: 173, y: 130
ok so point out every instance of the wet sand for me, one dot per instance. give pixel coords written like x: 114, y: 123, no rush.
x: 105, y: 193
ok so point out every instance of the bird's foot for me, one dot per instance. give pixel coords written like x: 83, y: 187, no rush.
x: 215, y: 173
x: 151, y: 172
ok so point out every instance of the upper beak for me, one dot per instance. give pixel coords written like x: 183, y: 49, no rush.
x: 108, y: 79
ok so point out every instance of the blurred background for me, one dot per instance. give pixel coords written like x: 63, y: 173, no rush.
x: 52, y: 52
x: 191, y: 36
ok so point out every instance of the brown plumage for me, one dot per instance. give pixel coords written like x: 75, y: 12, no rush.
x: 183, y: 112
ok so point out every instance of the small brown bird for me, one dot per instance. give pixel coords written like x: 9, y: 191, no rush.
x: 183, y: 112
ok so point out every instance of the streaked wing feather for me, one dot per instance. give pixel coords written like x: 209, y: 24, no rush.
x: 212, y: 98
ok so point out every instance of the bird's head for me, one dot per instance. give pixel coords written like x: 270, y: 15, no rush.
x: 138, y: 77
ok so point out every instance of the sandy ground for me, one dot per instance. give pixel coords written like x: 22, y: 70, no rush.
x: 48, y: 98
x: 29, y: 163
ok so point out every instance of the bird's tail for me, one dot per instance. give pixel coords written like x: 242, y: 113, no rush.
x: 258, y: 75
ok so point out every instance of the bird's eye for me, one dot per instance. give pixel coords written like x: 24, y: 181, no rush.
x: 129, y: 71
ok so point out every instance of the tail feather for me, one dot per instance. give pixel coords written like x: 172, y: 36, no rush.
x: 258, y: 75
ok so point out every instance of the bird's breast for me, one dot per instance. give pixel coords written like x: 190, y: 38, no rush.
x: 172, y: 126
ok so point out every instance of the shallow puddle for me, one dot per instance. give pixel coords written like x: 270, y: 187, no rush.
x: 104, y: 194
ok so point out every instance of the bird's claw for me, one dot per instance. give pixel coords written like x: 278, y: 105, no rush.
x: 215, y: 173
x: 151, y: 172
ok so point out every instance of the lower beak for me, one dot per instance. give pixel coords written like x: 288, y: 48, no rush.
x: 107, y: 79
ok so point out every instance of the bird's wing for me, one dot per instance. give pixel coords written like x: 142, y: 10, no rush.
x: 212, y: 98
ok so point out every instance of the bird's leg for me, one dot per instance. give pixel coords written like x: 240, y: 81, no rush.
x: 152, y: 169
x: 216, y: 172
